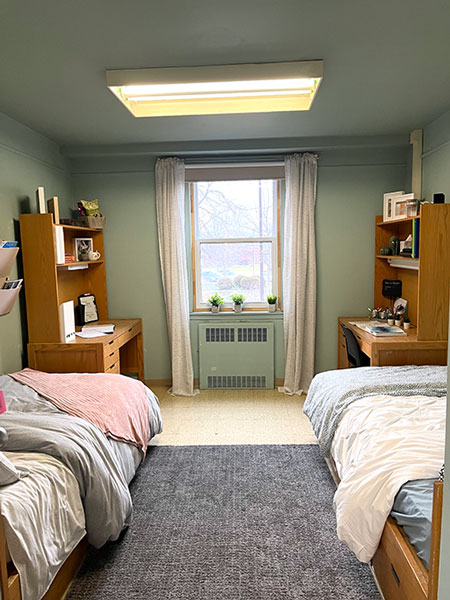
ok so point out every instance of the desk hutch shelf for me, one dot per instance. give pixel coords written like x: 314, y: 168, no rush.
x: 426, y: 287
x: 48, y: 284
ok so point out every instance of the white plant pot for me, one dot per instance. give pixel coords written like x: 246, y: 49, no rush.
x: 406, y: 326
x: 272, y: 307
x: 398, y: 322
x: 215, y: 309
x: 391, y: 321
x: 237, y: 308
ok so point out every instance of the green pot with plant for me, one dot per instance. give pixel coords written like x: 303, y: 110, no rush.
x: 84, y: 254
x: 238, y: 301
x: 216, y: 302
x: 272, y: 302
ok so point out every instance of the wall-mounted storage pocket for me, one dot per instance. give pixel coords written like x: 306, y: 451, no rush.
x: 7, y: 258
x: 7, y: 299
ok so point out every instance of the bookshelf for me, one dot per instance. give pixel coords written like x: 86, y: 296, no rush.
x: 426, y: 285
x: 47, y: 284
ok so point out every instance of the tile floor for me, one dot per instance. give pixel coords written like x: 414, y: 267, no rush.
x: 232, y: 417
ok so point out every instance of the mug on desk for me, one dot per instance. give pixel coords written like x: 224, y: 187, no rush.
x: 94, y: 255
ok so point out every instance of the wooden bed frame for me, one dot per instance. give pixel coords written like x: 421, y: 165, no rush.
x: 10, y: 581
x: 398, y: 571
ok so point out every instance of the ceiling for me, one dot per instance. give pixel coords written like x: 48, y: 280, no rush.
x: 386, y: 64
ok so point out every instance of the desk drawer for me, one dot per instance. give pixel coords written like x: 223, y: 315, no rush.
x: 111, y: 358
x: 110, y: 346
x: 128, y: 335
x: 394, y: 570
x: 113, y: 368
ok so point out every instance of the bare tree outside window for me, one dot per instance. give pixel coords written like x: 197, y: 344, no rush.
x: 236, y: 239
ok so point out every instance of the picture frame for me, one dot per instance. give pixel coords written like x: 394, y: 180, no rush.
x: 80, y: 245
x: 389, y: 205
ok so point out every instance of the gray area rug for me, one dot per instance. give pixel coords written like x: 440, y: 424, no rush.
x: 228, y: 523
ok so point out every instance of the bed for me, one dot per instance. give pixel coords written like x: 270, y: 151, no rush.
x: 382, y: 432
x: 72, y: 454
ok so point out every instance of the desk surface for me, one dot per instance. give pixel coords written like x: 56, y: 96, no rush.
x: 392, y: 350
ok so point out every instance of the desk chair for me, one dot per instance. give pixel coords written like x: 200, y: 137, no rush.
x: 355, y: 356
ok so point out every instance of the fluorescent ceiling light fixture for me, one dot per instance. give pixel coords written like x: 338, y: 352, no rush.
x: 222, y: 89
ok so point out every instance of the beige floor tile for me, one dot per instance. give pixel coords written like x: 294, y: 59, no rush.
x: 233, y: 417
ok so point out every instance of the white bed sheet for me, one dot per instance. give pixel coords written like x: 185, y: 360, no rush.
x: 43, y: 518
x: 381, y: 443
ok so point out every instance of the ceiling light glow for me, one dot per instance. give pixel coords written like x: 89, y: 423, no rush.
x: 269, y: 87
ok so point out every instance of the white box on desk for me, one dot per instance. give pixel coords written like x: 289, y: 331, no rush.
x: 67, y: 321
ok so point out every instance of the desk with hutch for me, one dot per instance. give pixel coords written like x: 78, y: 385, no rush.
x: 48, y: 284
x: 425, y: 285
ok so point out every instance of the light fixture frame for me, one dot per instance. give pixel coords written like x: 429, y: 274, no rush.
x: 217, y: 102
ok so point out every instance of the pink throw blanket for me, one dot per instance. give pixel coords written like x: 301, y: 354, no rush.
x: 116, y: 404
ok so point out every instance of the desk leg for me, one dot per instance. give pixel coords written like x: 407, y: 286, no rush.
x: 132, y: 357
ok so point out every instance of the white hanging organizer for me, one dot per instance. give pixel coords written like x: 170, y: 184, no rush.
x: 7, y: 297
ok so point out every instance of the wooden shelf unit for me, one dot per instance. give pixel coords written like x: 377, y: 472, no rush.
x: 47, y: 285
x: 427, y: 288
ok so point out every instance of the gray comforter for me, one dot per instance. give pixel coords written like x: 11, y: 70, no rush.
x: 332, y: 392
x: 35, y: 425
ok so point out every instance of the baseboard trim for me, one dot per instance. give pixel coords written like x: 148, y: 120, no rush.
x: 151, y: 382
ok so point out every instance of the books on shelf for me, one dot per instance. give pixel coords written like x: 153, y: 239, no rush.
x: 59, y: 243
x: 379, y: 328
x: 415, y: 238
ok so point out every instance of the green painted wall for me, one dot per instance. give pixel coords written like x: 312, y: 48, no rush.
x: 351, y: 184
x: 27, y: 161
x: 436, y: 178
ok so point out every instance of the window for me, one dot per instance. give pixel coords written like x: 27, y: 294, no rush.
x: 235, y: 231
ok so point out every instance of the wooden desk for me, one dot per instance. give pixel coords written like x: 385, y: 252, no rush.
x: 395, y: 350
x: 119, y: 352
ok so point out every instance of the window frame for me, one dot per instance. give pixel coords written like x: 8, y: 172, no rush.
x: 276, y: 255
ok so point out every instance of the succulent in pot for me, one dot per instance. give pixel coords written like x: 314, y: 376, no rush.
x: 215, y: 301
x: 272, y: 302
x: 238, y: 301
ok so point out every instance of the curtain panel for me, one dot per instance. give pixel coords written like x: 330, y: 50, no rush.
x: 170, y: 190
x: 299, y: 272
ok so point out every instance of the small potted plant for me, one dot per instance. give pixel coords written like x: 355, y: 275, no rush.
x: 238, y: 301
x: 406, y: 324
x: 84, y: 254
x: 398, y: 319
x: 215, y: 301
x: 272, y: 302
x: 390, y: 317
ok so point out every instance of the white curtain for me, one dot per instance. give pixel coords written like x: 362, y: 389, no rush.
x: 299, y: 272
x: 170, y: 186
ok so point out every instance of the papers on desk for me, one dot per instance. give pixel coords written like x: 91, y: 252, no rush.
x: 379, y: 328
x: 93, y: 331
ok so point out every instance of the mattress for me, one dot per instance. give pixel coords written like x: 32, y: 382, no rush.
x: 412, y: 510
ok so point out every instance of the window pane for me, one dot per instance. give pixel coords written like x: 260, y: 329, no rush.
x: 235, y: 209
x: 238, y: 267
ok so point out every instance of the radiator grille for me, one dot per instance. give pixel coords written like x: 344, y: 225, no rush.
x: 252, y: 334
x: 236, y: 381
x: 219, y: 334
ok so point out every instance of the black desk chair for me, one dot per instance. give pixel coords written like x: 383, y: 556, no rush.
x: 355, y: 355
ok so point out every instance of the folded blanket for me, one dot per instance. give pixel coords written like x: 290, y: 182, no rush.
x: 116, y: 404
x: 330, y: 393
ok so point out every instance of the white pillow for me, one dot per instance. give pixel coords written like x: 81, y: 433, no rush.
x: 8, y: 472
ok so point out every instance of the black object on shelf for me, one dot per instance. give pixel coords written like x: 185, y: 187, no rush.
x: 392, y: 288
x: 438, y: 198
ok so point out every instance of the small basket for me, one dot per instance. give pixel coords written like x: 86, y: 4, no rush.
x: 93, y: 222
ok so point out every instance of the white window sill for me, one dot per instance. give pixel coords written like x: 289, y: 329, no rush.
x: 245, y: 315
